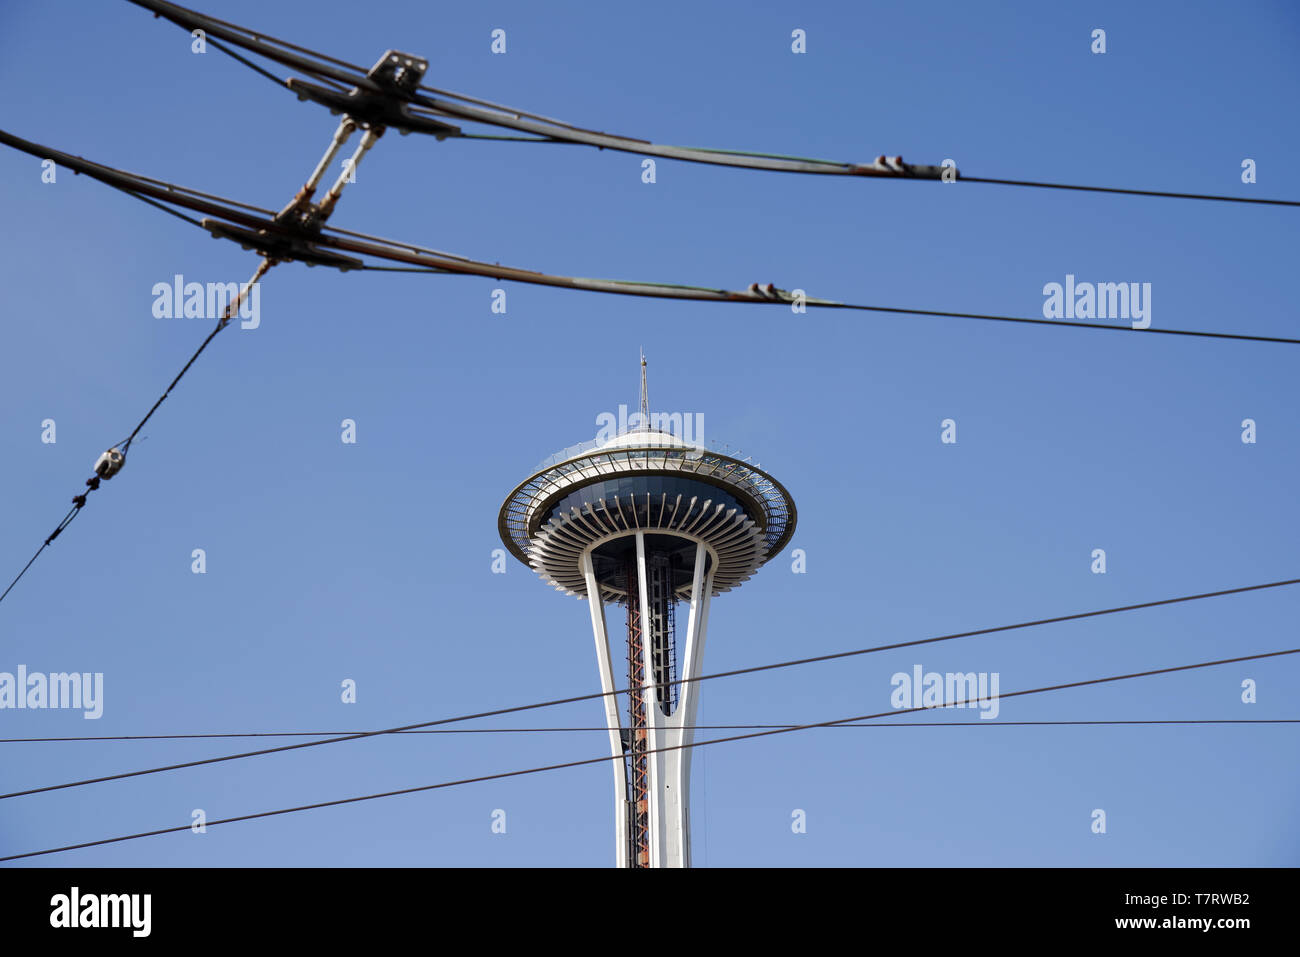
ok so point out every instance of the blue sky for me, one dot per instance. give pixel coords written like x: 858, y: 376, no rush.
x: 372, y: 561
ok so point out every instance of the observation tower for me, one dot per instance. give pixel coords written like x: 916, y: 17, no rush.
x: 659, y: 526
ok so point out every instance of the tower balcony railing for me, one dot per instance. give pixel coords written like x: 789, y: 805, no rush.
x: 648, y: 450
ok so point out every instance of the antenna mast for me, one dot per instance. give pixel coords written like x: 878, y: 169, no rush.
x: 645, y: 396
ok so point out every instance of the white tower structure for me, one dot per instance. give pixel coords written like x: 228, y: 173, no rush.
x: 658, y: 526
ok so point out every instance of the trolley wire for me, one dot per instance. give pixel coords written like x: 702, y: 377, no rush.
x: 544, y: 129
x: 753, y: 669
x: 437, y: 261
x: 607, y: 758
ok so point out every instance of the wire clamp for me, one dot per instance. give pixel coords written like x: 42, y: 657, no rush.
x: 110, y: 463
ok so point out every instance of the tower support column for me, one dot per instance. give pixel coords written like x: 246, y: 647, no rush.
x: 678, y: 730
x: 652, y: 770
x: 604, y: 662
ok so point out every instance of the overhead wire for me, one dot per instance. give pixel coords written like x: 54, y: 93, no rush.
x: 67, y: 520
x: 1130, y: 192
x: 166, y: 209
x: 752, y: 669
x: 501, y: 775
x: 1072, y: 324
x: 246, y: 62
x: 1182, y: 722
x: 255, y: 35
x: 548, y: 129
x: 432, y: 260
x: 230, y: 310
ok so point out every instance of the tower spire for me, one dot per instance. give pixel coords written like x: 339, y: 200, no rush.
x: 645, y: 396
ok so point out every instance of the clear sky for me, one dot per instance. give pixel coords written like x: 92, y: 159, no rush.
x: 372, y: 561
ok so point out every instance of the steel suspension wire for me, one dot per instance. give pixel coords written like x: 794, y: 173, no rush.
x: 607, y: 758
x: 231, y: 308
x: 753, y: 669
x: 92, y: 484
x: 67, y: 520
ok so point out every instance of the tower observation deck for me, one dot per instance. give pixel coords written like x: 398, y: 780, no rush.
x: 648, y: 521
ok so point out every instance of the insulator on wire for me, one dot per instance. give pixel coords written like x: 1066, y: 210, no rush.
x: 110, y: 463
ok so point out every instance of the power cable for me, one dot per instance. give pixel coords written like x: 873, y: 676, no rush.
x: 696, y: 727
x: 1130, y: 192
x: 753, y: 669
x: 606, y: 758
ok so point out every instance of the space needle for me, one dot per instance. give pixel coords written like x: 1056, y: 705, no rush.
x: 648, y: 521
